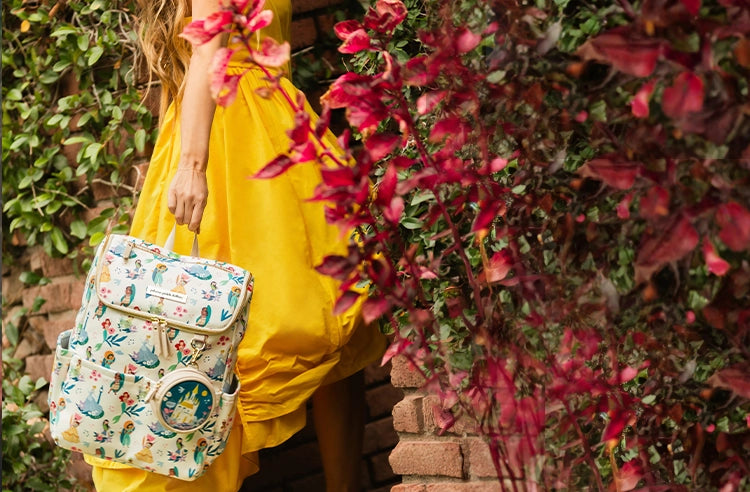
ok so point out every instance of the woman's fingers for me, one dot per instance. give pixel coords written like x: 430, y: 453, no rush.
x: 187, y: 197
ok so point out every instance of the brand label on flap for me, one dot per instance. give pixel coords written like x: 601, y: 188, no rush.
x: 166, y: 294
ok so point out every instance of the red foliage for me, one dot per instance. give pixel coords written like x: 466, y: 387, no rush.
x: 532, y: 235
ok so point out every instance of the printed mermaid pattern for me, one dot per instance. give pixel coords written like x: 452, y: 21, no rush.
x: 143, y: 313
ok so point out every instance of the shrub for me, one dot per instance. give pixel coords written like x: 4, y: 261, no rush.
x: 31, y: 460
x: 73, y: 120
x: 559, y: 228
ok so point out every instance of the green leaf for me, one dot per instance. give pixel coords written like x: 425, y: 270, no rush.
x: 78, y: 229
x: 59, y: 241
x: 83, y: 42
x: 11, y: 331
x: 96, y: 238
x: 92, y: 150
x: 94, y: 54
x: 140, y: 140
x: 77, y: 139
x: 30, y: 278
x: 14, y: 95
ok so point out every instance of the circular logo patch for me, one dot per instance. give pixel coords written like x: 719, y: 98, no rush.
x: 185, y: 404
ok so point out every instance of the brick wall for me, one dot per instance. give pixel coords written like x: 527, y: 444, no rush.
x: 457, y: 461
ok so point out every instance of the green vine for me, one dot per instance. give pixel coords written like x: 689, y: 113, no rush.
x: 73, y: 121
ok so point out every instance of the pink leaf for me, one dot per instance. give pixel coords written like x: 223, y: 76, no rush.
x: 229, y: 91
x: 692, y: 6
x: 393, y: 212
x: 670, y: 244
x: 623, y: 208
x: 271, y: 54
x: 630, y: 474
x: 258, y: 22
x: 346, y: 301
x: 277, y: 166
x: 625, y: 375
x: 398, y: 347
x: 387, y: 186
x: 391, y: 12
x: 355, y: 42
x: 336, y: 266
x: 218, y: 22
x: 734, y: 221
x: 380, y: 145
x: 447, y: 126
x: 715, y: 263
x: 487, y: 213
x: 499, y: 266
x: 467, y: 41
x: 639, y: 104
x: 429, y: 100
x: 684, y: 96
x: 338, y: 176
x: 373, y: 308
x: 299, y: 134
x: 218, y: 70
x: 196, y: 34
x: 619, y: 419
x: 655, y: 203
x: 420, y: 71
x: 612, y: 170
x: 625, y: 50
x: 346, y: 28
x: 735, y: 379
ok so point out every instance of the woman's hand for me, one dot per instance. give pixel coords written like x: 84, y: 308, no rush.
x: 187, y: 197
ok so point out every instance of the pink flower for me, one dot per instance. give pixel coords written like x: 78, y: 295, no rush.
x: 95, y: 375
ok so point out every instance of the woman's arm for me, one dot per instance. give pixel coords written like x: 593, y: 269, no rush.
x: 188, y: 191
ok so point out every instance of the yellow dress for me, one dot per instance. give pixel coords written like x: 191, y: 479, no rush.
x: 293, y: 343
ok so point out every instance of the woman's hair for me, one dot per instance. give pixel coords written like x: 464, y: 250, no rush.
x: 167, y: 55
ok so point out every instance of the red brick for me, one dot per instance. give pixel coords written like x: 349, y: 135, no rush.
x: 302, y: 6
x: 479, y: 459
x: 379, y: 436
x: 12, y: 287
x: 62, y: 294
x: 430, y: 405
x: 136, y: 175
x: 403, y: 375
x: 312, y: 482
x: 465, y: 487
x: 408, y: 487
x: 304, y: 33
x: 407, y: 414
x: 39, y: 366
x: 80, y: 470
x: 50, y: 267
x: 380, y: 400
x: 381, y: 468
x: 92, y: 213
x: 375, y: 373
x: 52, y: 327
x: 432, y: 458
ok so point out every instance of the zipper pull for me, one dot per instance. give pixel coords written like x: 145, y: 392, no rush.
x: 164, y: 332
x: 128, y: 250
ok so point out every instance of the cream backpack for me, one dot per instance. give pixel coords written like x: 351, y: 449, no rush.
x: 146, y: 377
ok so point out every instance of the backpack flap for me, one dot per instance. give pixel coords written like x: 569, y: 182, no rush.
x: 150, y: 282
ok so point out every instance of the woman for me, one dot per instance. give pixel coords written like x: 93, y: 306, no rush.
x: 294, y: 348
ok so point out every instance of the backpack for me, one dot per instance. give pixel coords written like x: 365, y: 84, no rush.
x: 146, y: 377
